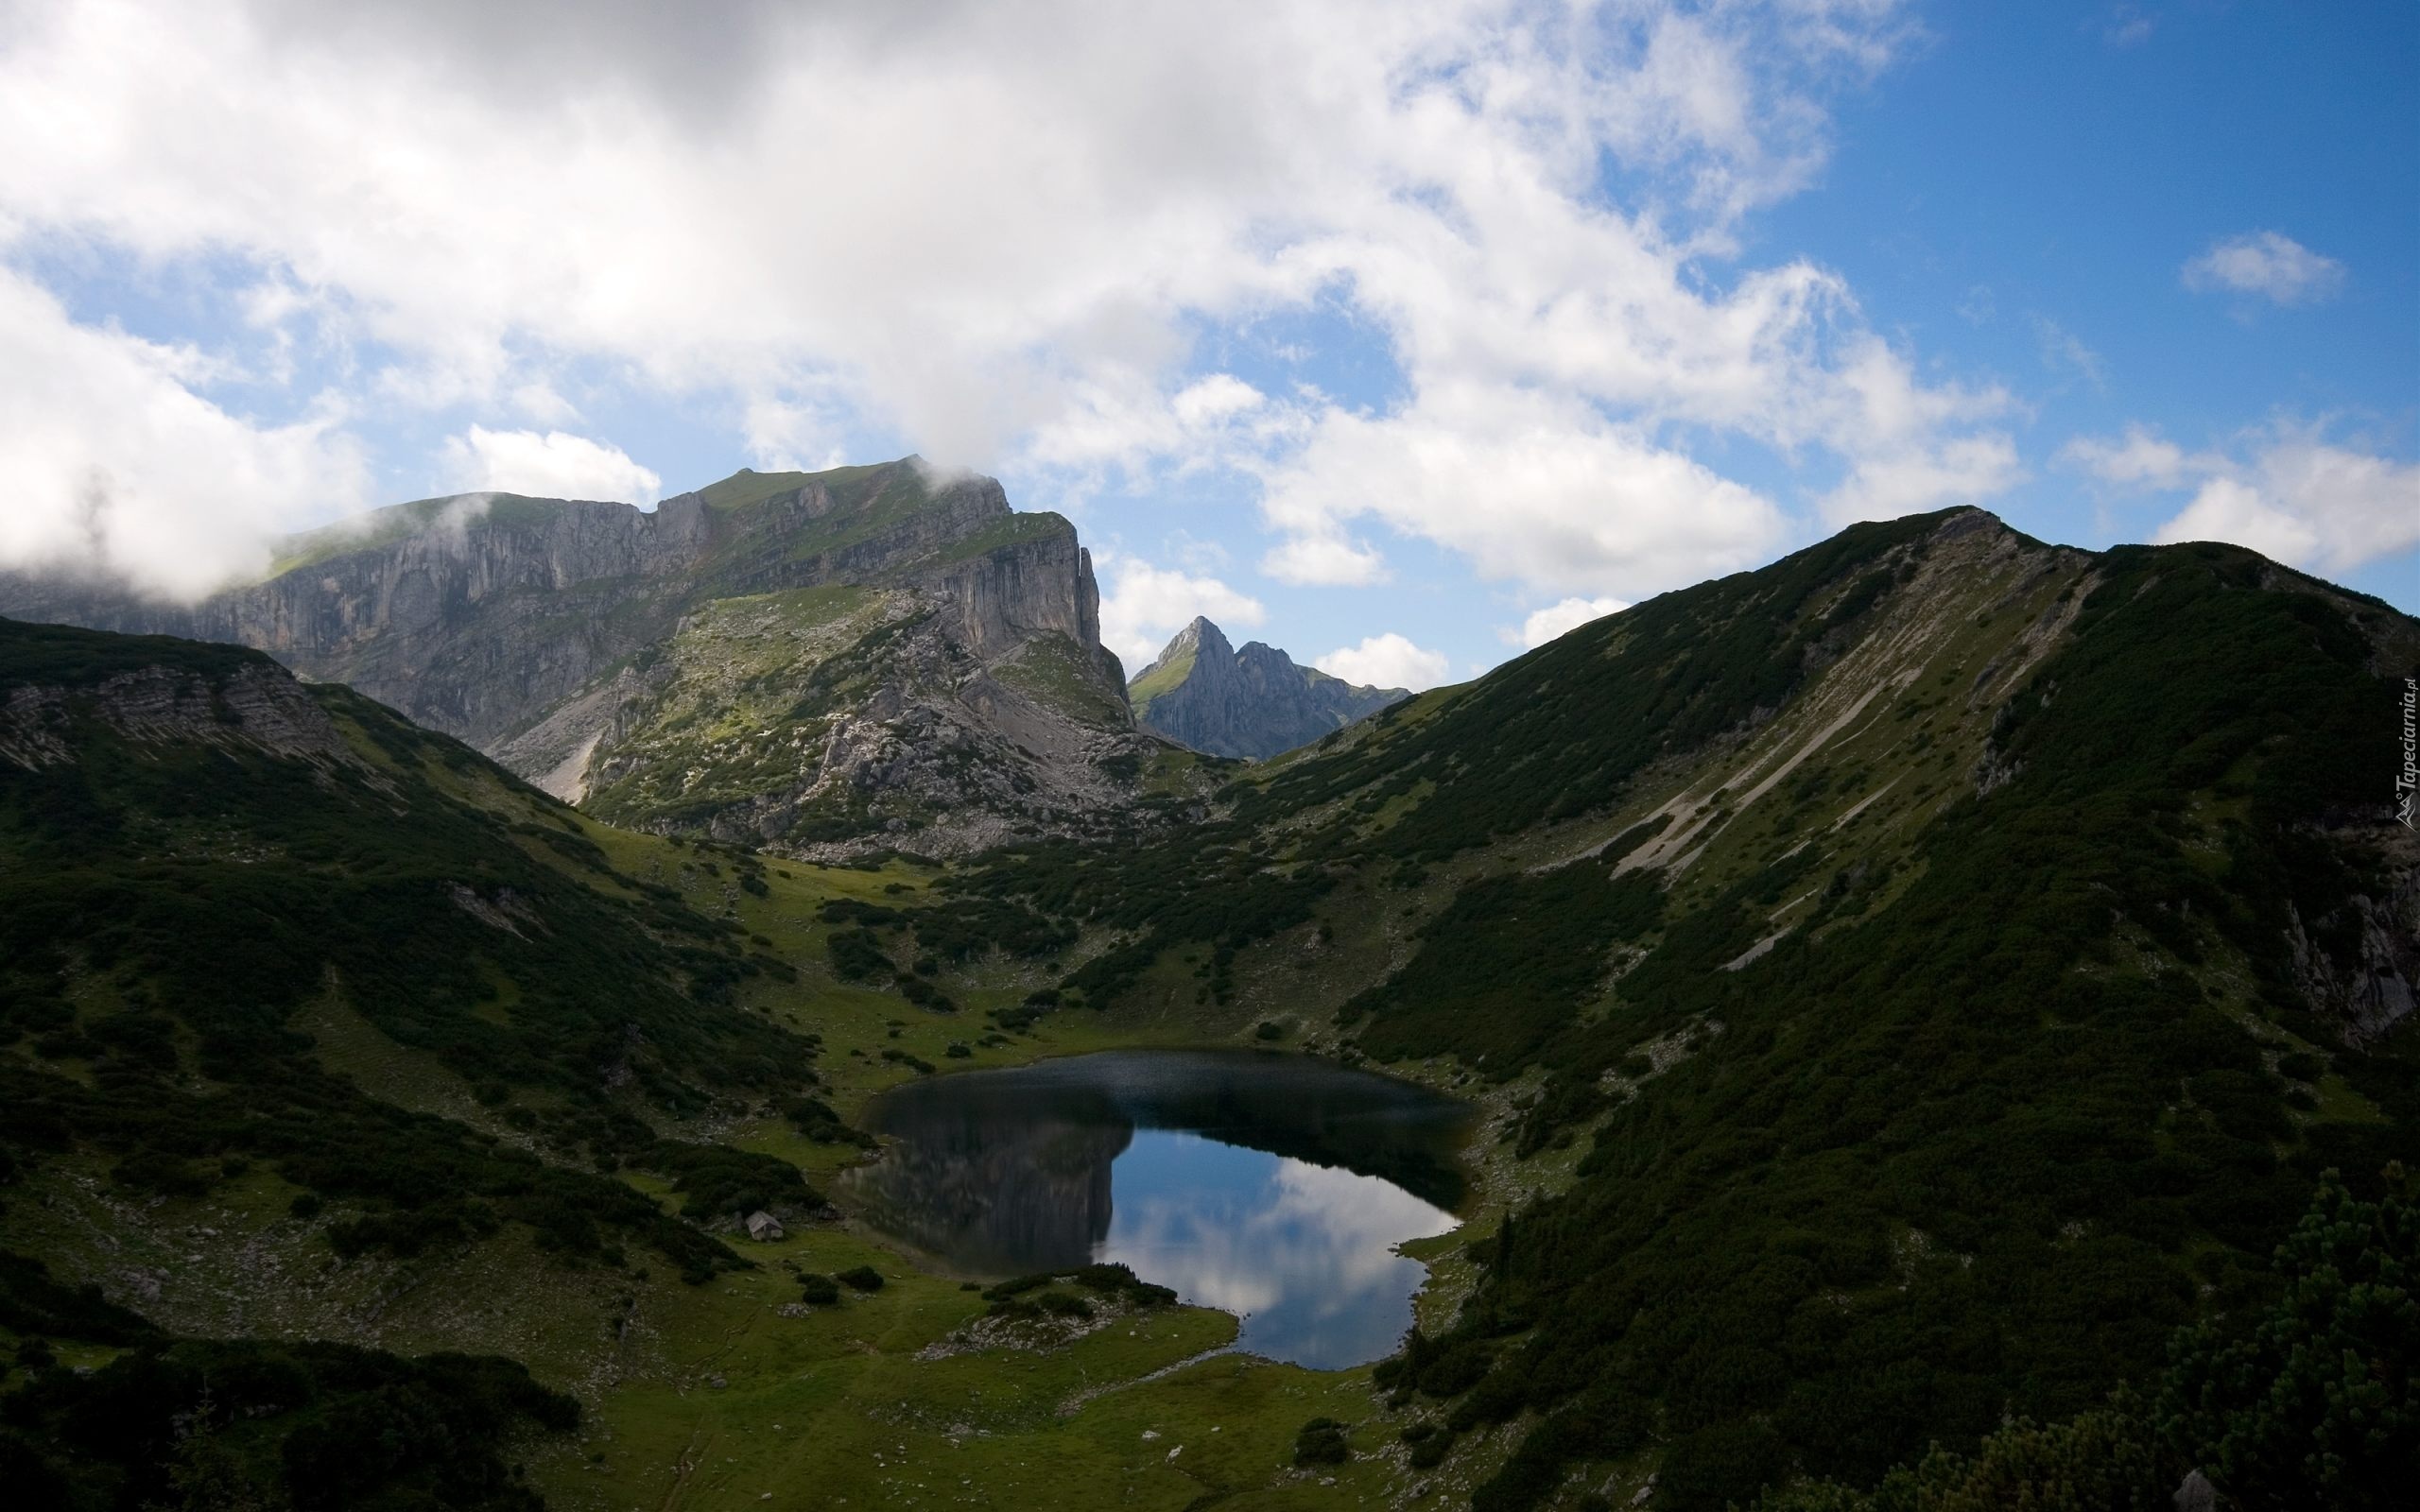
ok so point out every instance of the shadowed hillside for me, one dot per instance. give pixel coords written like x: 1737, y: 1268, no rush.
x: 1956, y: 956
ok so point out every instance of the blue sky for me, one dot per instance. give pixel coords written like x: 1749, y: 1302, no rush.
x: 1398, y: 335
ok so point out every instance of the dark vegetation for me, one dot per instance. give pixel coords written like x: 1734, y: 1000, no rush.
x: 1321, y: 1441
x: 1027, y: 1297
x: 1212, y: 889
x: 1966, y: 1157
x: 1501, y: 968
x: 814, y: 1118
x: 967, y: 930
x: 202, y: 1423
x: 167, y: 907
x: 2309, y: 1399
x: 312, y: 1425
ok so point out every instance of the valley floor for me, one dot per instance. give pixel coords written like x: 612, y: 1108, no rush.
x: 734, y: 1393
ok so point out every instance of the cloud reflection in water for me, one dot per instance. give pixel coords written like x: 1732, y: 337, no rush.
x: 1275, y: 1186
x: 1303, y: 1253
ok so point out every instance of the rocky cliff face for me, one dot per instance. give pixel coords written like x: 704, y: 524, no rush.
x: 563, y: 637
x: 1255, y: 702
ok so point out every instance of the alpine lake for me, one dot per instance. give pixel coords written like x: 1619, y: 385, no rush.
x: 1274, y: 1187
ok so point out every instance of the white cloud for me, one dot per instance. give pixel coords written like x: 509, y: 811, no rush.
x: 2309, y: 504
x: 2227, y: 509
x: 1323, y: 556
x: 1388, y: 660
x: 2267, y: 264
x: 551, y: 466
x: 1144, y: 605
x: 1967, y: 469
x: 2141, y: 459
x: 1003, y: 233
x: 1528, y: 488
x: 114, y: 465
x: 1131, y: 424
x: 2285, y: 492
x: 1219, y: 397
x: 1558, y: 619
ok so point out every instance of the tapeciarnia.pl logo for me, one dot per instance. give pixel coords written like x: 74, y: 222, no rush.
x: 2409, y: 779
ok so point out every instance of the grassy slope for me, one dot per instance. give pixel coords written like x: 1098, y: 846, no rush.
x: 1053, y: 672
x: 726, y: 722
x: 1160, y: 677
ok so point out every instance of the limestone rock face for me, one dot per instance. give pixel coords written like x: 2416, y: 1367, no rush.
x: 1254, y: 703
x: 257, y: 707
x: 712, y: 662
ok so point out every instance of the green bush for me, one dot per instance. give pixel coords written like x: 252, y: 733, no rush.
x: 2319, y: 1399
x: 1322, y: 1441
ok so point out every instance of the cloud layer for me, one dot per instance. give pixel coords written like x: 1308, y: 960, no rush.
x: 117, y: 464
x: 999, y: 233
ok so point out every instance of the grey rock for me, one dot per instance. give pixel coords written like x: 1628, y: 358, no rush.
x: 1254, y: 703
x: 2368, y: 995
x: 970, y: 700
x: 2197, y: 1494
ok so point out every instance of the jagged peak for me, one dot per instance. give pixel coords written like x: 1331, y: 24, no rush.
x: 1204, y: 631
x: 1184, y: 648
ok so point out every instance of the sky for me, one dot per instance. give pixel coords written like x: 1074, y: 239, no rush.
x: 1403, y: 335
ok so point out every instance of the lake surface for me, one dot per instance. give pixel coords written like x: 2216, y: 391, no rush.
x: 1274, y: 1187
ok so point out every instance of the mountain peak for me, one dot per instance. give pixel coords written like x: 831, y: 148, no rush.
x: 1200, y: 634
x: 1256, y: 703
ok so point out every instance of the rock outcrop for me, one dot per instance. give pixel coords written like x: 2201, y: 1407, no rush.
x: 253, y: 707
x: 1255, y: 702
x: 589, y: 646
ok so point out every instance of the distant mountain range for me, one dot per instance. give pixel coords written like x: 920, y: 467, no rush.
x: 1255, y: 702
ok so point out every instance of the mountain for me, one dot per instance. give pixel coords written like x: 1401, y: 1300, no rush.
x: 819, y: 664
x: 1929, y: 970
x: 1941, y: 987
x: 1253, y: 703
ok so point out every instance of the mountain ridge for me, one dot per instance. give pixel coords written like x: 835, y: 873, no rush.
x: 572, y: 639
x: 1904, y: 940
